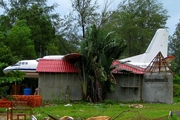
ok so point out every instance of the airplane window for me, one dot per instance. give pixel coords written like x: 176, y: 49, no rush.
x: 26, y: 63
x: 17, y: 64
x: 22, y: 63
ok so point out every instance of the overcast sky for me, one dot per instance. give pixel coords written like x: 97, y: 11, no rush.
x: 171, y: 5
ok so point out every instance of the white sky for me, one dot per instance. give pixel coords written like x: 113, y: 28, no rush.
x: 172, y: 7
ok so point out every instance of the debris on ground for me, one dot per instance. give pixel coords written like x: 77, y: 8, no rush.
x: 99, y: 118
x: 136, y: 106
x: 68, y: 104
x: 66, y: 118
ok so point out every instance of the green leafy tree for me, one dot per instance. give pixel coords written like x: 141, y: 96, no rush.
x: 98, y: 51
x: 136, y: 21
x: 18, y: 39
x: 174, y: 49
x: 39, y: 18
x: 176, y: 86
x: 42, y: 29
x: 52, y: 49
x: 7, y: 58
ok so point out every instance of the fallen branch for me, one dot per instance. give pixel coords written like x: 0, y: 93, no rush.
x: 120, y: 114
x: 52, y: 117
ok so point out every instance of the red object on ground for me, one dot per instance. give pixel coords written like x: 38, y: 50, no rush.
x: 32, y: 100
x: 5, y: 103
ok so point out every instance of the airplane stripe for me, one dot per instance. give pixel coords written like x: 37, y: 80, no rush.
x: 21, y: 69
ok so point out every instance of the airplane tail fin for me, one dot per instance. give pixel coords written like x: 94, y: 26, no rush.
x: 159, y: 43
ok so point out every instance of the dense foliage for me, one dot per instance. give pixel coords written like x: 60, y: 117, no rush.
x: 32, y: 26
x: 174, y: 50
x: 98, y: 52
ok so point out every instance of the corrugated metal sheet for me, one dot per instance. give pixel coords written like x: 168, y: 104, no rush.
x: 54, y: 65
x: 72, y: 56
x: 125, y: 67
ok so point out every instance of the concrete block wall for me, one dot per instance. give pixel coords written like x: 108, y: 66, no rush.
x: 153, y: 87
x: 158, y: 87
x: 60, y: 86
x: 128, y: 88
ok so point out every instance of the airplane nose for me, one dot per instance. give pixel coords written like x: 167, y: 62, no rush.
x: 5, y: 70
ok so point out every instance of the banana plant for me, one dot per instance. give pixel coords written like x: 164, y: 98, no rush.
x: 98, y: 52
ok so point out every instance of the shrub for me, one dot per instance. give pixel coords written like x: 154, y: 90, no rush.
x: 176, y: 90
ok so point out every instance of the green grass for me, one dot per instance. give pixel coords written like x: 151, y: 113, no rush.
x: 120, y: 111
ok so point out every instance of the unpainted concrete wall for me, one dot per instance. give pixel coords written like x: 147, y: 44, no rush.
x: 60, y: 86
x: 128, y: 88
x: 149, y: 88
x: 158, y: 88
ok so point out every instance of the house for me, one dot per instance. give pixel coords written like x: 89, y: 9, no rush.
x: 129, y: 80
x: 152, y: 84
x: 59, y: 79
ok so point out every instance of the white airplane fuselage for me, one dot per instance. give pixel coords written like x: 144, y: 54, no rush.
x: 27, y: 66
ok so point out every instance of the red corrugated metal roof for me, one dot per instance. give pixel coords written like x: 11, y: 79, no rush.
x: 55, y: 65
x: 60, y: 65
x: 126, y: 67
x: 72, y: 56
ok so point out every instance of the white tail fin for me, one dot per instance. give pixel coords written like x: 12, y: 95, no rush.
x: 158, y: 44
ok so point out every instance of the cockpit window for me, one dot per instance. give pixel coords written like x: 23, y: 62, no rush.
x: 20, y: 63
x: 17, y: 64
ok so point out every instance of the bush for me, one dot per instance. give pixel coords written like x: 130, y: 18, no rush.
x: 174, y: 117
x: 176, y: 90
x: 176, y: 99
x: 109, y: 102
